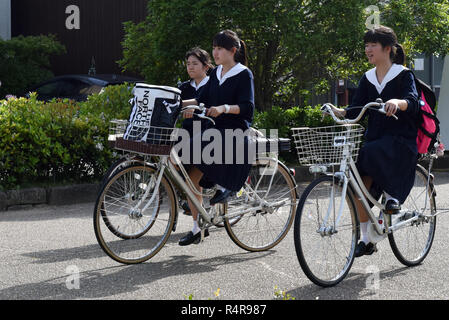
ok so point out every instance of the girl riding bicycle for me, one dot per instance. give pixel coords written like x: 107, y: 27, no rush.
x: 198, y: 65
x: 229, y: 96
x: 388, y: 158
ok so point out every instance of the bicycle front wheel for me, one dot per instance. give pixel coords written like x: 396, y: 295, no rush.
x: 412, y: 243
x: 325, y: 240
x: 261, y: 214
x: 129, y: 233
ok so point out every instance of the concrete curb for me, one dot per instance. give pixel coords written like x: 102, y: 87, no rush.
x: 84, y: 193
x: 64, y: 195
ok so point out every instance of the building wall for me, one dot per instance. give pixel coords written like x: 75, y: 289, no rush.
x: 5, y: 19
x: 443, y: 104
x: 98, y: 35
x: 431, y: 71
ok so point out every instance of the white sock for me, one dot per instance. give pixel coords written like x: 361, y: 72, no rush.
x: 221, y: 188
x: 364, y: 232
x: 196, y: 228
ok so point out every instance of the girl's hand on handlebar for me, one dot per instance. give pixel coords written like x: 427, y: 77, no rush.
x: 215, y: 111
x: 391, y: 107
x: 337, y: 111
x: 188, y: 114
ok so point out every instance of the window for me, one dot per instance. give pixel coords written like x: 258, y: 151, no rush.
x: 48, y: 90
x: 72, y: 88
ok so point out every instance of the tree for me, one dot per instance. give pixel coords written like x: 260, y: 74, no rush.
x: 25, y: 61
x: 294, y: 46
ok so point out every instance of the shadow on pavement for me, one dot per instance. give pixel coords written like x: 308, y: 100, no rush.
x: 355, y: 286
x: 106, y: 282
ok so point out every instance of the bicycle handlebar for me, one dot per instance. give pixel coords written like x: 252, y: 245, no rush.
x: 378, y: 105
x: 202, y: 112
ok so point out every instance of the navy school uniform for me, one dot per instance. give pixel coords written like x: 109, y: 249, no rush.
x: 235, y: 88
x: 389, y: 154
x: 189, y: 90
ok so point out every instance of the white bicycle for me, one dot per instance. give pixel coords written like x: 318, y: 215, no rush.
x: 137, y: 207
x: 326, y: 227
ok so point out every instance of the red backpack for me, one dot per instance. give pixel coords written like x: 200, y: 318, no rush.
x: 428, y: 123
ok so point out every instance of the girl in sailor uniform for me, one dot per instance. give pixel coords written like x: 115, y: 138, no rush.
x: 229, y: 96
x: 388, y: 158
x: 199, y: 65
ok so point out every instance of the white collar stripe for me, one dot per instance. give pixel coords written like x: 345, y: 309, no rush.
x: 202, y: 83
x: 234, y: 71
x: 394, y: 71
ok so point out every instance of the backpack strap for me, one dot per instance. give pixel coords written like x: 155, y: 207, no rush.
x: 437, y: 125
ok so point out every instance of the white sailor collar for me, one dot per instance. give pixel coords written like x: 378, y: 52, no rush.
x: 394, y: 71
x: 234, y: 71
x: 202, y: 83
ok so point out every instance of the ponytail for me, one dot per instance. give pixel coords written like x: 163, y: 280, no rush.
x: 398, y: 54
x: 241, y: 54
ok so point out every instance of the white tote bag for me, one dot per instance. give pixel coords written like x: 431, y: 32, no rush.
x: 153, y: 107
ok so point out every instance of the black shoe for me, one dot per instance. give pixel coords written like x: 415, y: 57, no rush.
x: 221, y: 196
x: 192, y: 238
x: 392, y: 206
x: 363, y: 249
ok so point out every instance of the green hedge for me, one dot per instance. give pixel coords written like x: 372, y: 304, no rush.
x: 285, y: 119
x: 62, y: 142
x: 59, y: 141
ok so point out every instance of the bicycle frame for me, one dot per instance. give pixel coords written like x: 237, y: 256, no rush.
x: 165, y: 166
x: 355, y: 181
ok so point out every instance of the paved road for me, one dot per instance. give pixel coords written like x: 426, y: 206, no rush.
x: 41, y: 249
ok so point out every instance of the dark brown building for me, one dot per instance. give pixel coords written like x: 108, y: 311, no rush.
x: 89, y: 29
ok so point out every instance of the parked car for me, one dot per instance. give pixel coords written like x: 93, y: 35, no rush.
x: 77, y: 87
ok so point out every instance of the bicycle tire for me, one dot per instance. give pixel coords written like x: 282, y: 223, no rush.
x: 247, y: 230
x: 120, y: 164
x: 120, y: 194
x: 311, y: 256
x: 114, y: 168
x: 421, y: 247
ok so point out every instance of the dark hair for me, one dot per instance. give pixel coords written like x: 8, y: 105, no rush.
x: 201, y: 55
x: 387, y: 38
x: 228, y: 39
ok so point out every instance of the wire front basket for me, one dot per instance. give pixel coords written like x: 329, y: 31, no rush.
x: 146, y: 140
x: 327, y: 146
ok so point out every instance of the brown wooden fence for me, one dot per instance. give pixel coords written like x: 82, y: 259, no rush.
x: 99, y: 35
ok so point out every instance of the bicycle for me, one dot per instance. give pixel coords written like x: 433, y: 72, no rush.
x: 326, y: 227
x: 137, y: 206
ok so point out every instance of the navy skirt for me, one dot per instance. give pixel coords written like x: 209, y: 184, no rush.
x: 391, y: 162
x: 224, y: 160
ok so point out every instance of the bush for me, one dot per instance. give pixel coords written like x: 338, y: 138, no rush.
x: 60, y: 141
x: 25, y: 61
x: 285, y: 119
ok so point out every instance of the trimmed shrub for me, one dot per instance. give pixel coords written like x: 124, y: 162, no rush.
x: 59, y: 141
x: 285, y: 119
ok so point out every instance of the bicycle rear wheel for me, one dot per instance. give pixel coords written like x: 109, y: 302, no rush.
x: 261, y: 228
x: 126, y: 233
x: 412, y: 243
x: 325, y: 250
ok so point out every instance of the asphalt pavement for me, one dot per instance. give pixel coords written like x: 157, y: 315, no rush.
x: 51, y: 252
